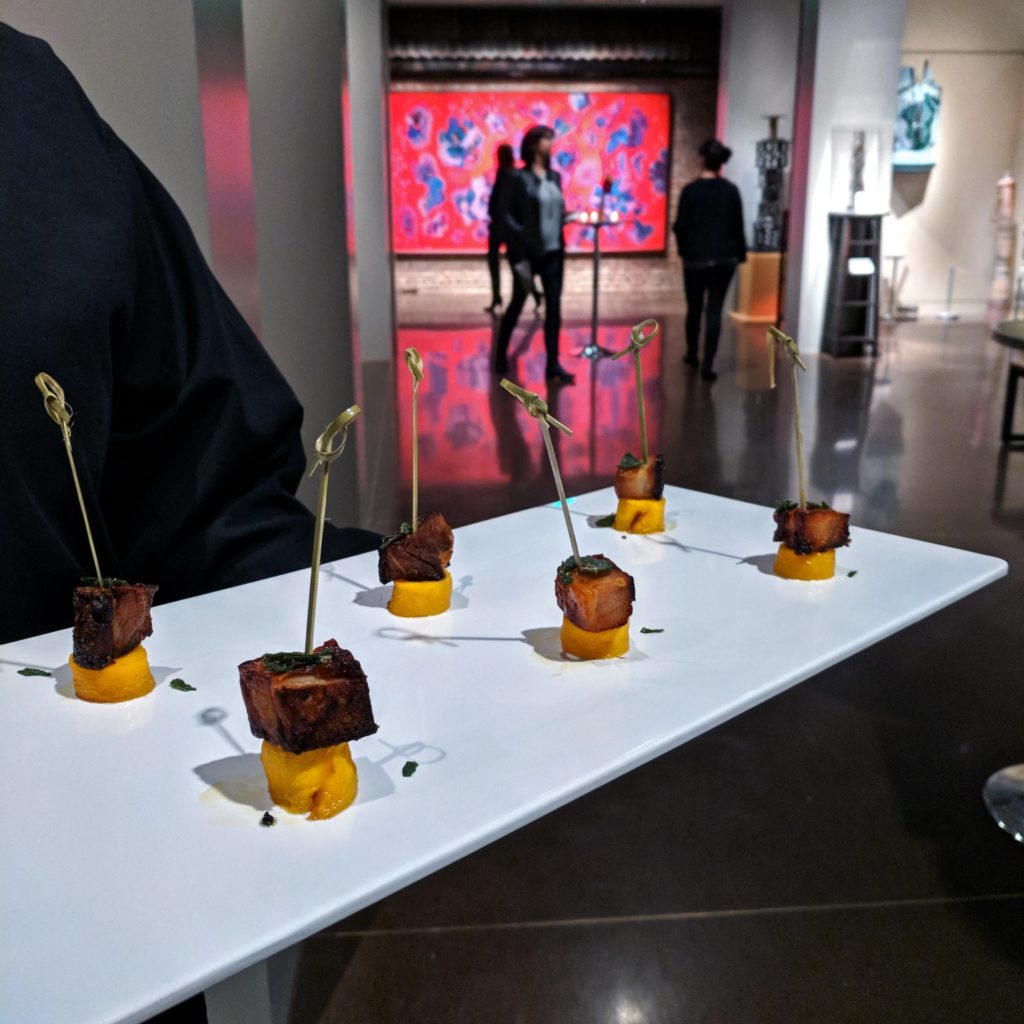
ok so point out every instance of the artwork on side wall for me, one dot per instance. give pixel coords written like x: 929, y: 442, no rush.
x: 917, y: 114
x: 443, y: 162
x: 772, y: 159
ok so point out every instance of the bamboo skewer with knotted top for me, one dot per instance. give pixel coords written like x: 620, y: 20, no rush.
x: 640, y: 335
x: 62, y: 414
x: 538, y: 409
x: 325, y: 454
x: 792, y: 353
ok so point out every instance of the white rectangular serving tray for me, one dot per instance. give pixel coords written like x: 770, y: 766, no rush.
x: 133, y: 867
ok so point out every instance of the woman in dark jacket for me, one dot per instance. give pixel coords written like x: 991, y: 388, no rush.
x: 497, y: 207
x: 710, y: 239
x: 535, y: 246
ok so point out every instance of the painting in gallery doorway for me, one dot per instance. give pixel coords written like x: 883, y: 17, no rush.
x: 443, y: 162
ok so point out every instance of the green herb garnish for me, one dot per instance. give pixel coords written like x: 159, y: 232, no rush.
x: 608, y: 520
x: 790, y: 506
x: 105, y: 582
x: 403, y: 531
x: 851, y: 574
x: 29, y: 671
x: 592, y: 565
x: 645, y: 629
x: 268, y: 819
x: 409, y: 768
x: 630, y: 461
x: 180, y: 684
x: 289, y: 661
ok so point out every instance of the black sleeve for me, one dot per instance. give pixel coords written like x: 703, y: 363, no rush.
x: 185, y: 434
x: 516, y: 215
x: 681, y: 225
x: 193, y: 383
x: 738, y: 231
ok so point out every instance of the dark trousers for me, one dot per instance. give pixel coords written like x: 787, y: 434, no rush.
x: 494, y: 244
x: 549, y: 268
x: 712, y: 283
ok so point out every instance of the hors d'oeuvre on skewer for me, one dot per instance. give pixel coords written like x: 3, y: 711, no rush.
x: 596, y: 598
x: 416, y: 562
x: 307, y: 706
x: 111, y: 616
x: 808, y: 539
x: 416, y: 558
x: 640, y: 486
x: 594, y: 594
x: 808, y: 533
x: 639, y: 481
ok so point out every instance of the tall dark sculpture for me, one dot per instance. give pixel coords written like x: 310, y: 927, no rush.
x: 772, y: 159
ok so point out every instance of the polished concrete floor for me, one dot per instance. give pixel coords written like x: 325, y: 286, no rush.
x: 823, y: 857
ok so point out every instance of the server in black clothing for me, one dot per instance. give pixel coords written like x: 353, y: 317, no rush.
x: 186, y: 435
x: 536, y: 247
x: 710, y: 239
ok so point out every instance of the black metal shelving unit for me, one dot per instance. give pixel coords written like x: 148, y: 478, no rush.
x: 851, y: 313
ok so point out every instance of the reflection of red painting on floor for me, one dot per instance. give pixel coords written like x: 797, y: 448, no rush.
x: 473, y: 432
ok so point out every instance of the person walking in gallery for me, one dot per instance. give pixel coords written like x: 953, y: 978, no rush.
x: 710, y: 240
x: 497, y: 208
x: 535, y: 246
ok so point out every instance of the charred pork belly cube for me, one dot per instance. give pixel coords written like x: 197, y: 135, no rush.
x: 110, y: 621
x: 638, y: 479
x: 598, y: 597
x: 300, y: 702
x: 423, y: 555
x: 811, y: 530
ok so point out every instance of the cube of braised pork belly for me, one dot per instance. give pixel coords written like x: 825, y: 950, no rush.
x: 110, y: 621
x: 423, y: 555
x: 644, y: 481
x: 811, y: 530
x: 301, y: 702
x: 597, y: 598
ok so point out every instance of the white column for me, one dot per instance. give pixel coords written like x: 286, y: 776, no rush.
x: 369, y: 174
x: 757, y: 76
x: 293, y: 60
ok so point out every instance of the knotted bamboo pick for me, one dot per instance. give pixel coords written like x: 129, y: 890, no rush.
x: 414, y: 361
x: 637, y: 340
x: 538, y: 408
x: 325, y: 455
x: 792, y: 353
x: 61, y: 413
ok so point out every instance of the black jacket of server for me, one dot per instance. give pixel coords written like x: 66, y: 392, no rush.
x: 709, y: 224
x: 185, y: 434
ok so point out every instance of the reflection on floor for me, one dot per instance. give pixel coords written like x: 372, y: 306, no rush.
x: 824, y: 857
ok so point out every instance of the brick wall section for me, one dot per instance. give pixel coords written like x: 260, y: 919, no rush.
x: 693, y: 121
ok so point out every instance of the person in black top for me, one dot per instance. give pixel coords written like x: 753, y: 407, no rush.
x: 535, y: 245
x: 186, y: 435
x: 710, y: 239
x: 497, y: 209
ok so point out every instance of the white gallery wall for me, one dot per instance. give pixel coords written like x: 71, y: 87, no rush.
x: 944, y: 217
x: 757, y: 76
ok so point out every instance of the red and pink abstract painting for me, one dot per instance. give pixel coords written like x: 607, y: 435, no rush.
x: 443, y: 161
